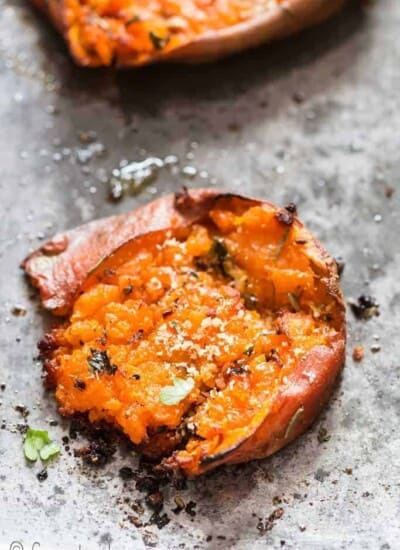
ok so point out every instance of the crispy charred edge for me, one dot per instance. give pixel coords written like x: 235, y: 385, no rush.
x: 285, y: 18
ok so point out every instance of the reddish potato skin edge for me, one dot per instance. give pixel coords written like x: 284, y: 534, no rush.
x: 281, y: 21
x: 308, y: 388
x: 60, y: 266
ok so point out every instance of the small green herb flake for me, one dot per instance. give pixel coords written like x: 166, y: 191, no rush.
x: 294, y: 301
x: 38, y: 443
x: 172, y: 395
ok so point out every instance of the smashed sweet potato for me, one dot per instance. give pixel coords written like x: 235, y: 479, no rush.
x: 213, y: 336
x: 136, y: 32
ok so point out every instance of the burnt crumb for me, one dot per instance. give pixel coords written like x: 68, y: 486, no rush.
x: 137, y: 522
x: 155, y: 501
x: 348, y: 471
x: 80, y: 384
x: 128, y: 290
x: 46, y: 345
x: 358, y: 353
x: 159, y: 520
x: 389, y: 192
x: 42, y: 475
x: 221, y: 537
x: 340, y: 265
x: 22, y: 428
x: 18, y: 311
x: 65, y: 440
x: 136, y: 376
x: 323, y: 435
x: 365, y: 307
x: 209, y: 538
x: 126, y: 473
x: 273, y: 355
x: 272, y: 518
x: 53, y: 422
x: 147, y: 483
x: 237, y: 369
x: 167, y: 313
x: 302, y: 528
x: 2, y: 387
x: 102, y: 441
x: 375, y: 348
x: 286, y: 215
x: 190, y: 508
x: 22, y: 410
x: 180, y: 505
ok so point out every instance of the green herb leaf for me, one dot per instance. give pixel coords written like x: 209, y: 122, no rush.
x: 38, y: 443
x: 48, y: 451
x: 171, y: 395
x: 99, y: 362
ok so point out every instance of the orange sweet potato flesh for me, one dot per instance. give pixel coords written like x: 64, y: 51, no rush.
x: 231, y: 295
x: 136, y: 32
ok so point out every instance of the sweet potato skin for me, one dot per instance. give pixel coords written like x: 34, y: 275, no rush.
x: 295, y: 405
x: 285, y: 18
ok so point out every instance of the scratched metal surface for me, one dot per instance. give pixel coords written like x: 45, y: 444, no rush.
x: 316, y: 120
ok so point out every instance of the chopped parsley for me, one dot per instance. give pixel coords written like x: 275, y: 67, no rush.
x: 37, y: 443
x: 99, y: 362
x: 172, y: 395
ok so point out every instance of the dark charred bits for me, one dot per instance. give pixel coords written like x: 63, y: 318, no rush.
x: 159, y: 520
x: 365, y: 307
x: 286, y: 215
x: 155, y: 501
x: 18, y: 311
x: 273, y: 355
x: 237, y: 369
x: 269, y: 523
x: 128, y: 290
x: 190, y: 508
x: 42, y: 475
x: 340, y: 264
x: 217, y: 258
x: 126, y: 473
x: 99, y: 362
x: 23, y: 411
x: 2, y: 387
x: 80, y: 384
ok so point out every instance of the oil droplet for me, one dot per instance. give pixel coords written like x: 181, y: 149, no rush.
x: 189, y: 171
x: 133, y: 177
